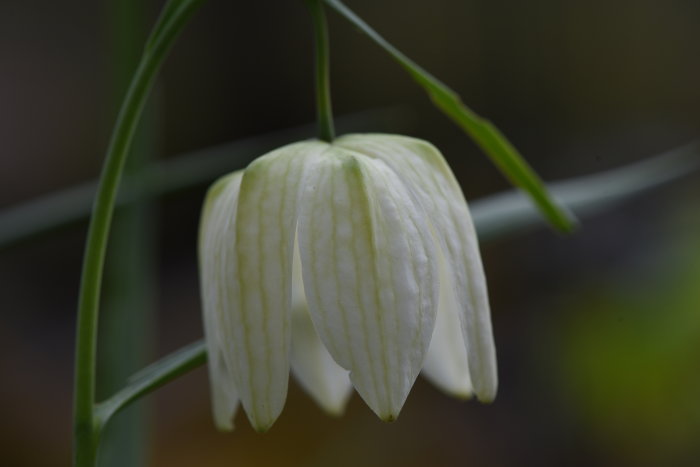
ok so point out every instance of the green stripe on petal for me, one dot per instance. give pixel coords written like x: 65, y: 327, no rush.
x: 218, y: 216
x: 258, y: 307
x: 427, y: 175
x: 369, y: 274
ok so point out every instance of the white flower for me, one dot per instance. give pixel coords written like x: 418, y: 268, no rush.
x: 354, y: 262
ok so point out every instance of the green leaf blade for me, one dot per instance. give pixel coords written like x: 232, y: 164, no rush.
x: 501, y: 152
x: 152, y: 377
x: 507, y: 214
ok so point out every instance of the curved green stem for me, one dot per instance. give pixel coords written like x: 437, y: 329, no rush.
x: 86, y: 424
x: 324, y: 111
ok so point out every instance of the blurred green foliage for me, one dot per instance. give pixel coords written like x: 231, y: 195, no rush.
x: 627, y: 355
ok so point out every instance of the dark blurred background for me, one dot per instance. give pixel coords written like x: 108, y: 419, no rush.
x: 598, y: 334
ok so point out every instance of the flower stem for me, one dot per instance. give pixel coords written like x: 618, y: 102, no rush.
x: 86, y: 424
x: 324, y: 111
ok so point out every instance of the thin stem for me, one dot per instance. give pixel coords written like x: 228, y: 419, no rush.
x: 86, y: 428
x: 324, y: 111
x: 86, y: 425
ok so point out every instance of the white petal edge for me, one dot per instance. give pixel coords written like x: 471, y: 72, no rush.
x: 432, y: 183
x: 446, y: 364
x: 313, y: 367
x: 258, y: 264
x: 369, y: 274
x: 218, y: 216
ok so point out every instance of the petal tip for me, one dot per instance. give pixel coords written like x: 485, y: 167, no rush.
x: 224, y: 426
x: 462, y: 395
x: 487, y: 398
x: 262, y: 426
x: 486, y: 390
x: 336, y: 411
x: 262, y: 422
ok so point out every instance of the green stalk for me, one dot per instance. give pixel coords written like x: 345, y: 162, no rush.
x: 128, y: 311
x: 86, y: 425
x: 324, y: 111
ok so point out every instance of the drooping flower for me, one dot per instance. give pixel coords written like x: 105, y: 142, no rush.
x: 354, y: 263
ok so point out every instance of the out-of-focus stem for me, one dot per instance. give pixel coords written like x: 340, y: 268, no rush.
x: 127, y: 325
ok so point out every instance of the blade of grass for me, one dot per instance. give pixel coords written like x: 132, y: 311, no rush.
x: 152, y: 377
x: 510, y: 213
x: 496, y: 216
x: 30, y: 219
x: 485, y: 135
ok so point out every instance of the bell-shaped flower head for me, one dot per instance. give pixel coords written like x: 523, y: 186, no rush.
x: 354, y: 262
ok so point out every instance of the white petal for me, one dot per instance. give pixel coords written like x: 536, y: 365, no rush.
x: 314, y: 368
x: 446, y: 364
x: 369, y: 274
x: 258, y: 263
x: 217, y: 216
x: 432, y: 183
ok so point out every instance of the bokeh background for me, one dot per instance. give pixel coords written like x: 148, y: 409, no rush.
x: 598, y: 334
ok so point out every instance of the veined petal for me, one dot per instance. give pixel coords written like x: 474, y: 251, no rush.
x: 217, y: 218
x: 369, y: 274
x: 432, y: 183
x: 258, y: 264
x: 314, y: 368
x: 446, y: 364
